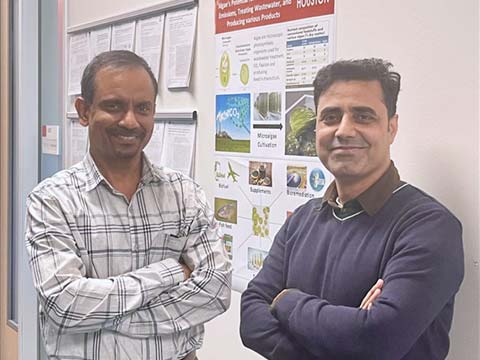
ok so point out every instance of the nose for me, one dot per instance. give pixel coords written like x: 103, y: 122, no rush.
x: 346, y: 127
x: 129, y: 120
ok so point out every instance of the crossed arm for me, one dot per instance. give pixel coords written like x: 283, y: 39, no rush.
x: 162, y: 297
x: 298, y: 321
x: 366, y: 304
x: 204, y: 295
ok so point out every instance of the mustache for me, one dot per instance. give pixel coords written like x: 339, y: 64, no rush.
x: 346, y: 142
x: 119, y: 131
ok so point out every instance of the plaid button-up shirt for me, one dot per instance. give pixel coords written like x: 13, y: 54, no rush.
x: 107, y: 270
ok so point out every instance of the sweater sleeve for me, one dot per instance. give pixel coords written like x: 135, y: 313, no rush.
x: 421, y: 278
x: 259, y: 329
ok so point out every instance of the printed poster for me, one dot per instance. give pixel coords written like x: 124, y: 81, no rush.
x: 267, y: 55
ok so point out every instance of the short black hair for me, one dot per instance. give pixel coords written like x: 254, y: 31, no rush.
x: 114, y: 59
x: 363, y: 70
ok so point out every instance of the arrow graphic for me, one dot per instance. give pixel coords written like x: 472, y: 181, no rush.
x: 268, y: 126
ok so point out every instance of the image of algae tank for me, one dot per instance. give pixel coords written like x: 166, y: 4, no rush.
x: 300, y: 124
x: 267, y: 106
x: 232, y: 122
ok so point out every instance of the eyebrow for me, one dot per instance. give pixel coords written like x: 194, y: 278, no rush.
x: 330, y: 109
x: 363, y: 109
x: 356, y: 109
x: 110, y: 99
x: 117, y: 100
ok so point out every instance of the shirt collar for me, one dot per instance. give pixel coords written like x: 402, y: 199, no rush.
x: 372, y: 199
x: 95, y: 177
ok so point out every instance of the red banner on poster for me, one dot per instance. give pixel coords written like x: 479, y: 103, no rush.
x: 232, y: 15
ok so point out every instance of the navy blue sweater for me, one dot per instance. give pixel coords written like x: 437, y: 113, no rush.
x: 412, y: 242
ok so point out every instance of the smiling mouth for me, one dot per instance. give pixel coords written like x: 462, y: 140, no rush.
x: 347, y: 148
x: 126, y: 138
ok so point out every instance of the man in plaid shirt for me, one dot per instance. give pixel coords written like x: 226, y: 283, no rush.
x: 126, y: 256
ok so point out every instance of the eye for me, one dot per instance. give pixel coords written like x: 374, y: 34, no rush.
x: 330, y: 119
x: 144, y: 108
x: 112, y: 106
x: 364, y: 117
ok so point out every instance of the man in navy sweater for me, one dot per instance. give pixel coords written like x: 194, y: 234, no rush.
x: 371, y: 270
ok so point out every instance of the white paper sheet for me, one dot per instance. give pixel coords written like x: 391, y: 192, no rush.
x: 50, y: 139
x: 154, y: 147
x: 123, y: 36
x: 149, y: 41
x: 79, y: 142
x: 79, y: 56
x: 180, y: 30
x: 178, y: 146
x: 100, y: 40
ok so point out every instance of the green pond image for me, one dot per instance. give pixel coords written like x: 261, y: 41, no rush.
x: 225, y: 144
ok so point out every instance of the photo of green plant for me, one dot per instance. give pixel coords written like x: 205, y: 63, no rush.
x: 300, y: 121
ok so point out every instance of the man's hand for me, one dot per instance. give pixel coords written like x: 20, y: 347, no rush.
x: 186, y: 270
x: 372, y: 295
x: 279, y: 295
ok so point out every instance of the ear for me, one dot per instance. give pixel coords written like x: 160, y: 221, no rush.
x: 393, y: 127
x: 83, y: 110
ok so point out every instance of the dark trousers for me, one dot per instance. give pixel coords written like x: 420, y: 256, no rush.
x: 191, y: 356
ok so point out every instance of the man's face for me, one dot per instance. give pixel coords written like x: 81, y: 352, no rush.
x: 353, y: 131
x: 121, y: 116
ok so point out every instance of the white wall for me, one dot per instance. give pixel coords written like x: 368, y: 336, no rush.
x: 434, y: 44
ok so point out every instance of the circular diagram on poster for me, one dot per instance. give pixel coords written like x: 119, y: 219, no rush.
x: 317, y: 179
x: 224, y: 69
x: 244, y: 74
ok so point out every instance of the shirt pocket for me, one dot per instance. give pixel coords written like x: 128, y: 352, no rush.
x: 166, y: 245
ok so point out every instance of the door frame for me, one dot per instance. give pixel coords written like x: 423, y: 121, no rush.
x: 8, y: 330
x: 25, y: 147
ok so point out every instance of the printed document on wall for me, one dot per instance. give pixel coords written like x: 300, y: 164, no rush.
x: 123, y: 36
x: 78, y: 142
x: 267, y: 55
x: 179, y: 146
x: 180, y: 34
x: 149, y: 41
x: 100, y: 40
x: 155, y: 145
x: 79, y: 56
